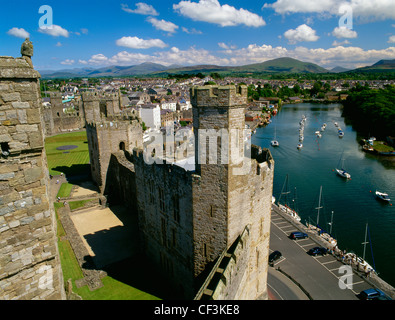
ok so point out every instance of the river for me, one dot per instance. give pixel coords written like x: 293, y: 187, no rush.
x: 352, y: 202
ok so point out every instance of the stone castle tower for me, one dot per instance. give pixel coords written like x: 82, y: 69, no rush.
x: 29, y: 259
x: 108, y: 132
x: 197, y: 223
x: 232, y: 196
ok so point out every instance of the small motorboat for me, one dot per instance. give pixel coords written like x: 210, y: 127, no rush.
x: 383, y: 196
x: 300, y: 146
x: 341, y: 134
x: 274, y: 143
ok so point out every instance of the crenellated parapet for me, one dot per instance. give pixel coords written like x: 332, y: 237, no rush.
x: 98, y: 96
x: 218, y: 96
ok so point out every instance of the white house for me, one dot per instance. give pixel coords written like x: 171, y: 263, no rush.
x: 150, y: 115
x: 169, y: 105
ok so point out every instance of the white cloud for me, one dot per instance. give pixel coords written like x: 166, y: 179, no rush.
x: 163, y: 25
x: 391, y: 39
x: 142, y: 8
x: 213, y: 12
x: 55, y: 31
x: 59, y: 44
x: 225, y: 46
x: 301, y: 33
x: 298, y: 6
x: 19, y: 33
x: 68, y: 62
x: 364, y: 9
x: 191, y: 31
x: 348, y: 57
x: 137, y: 43
x: 344, y: 32
x: 99, y: 59
x: 342, y: 43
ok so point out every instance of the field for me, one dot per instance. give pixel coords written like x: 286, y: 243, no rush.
x: 70, y: 162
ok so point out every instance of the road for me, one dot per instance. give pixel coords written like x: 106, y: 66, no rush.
x: 320, y: 277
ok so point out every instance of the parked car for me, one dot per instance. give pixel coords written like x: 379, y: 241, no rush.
x: 275, y: 255
x: 317, y: 250
x: 373, y: 294
x: 298, y: 235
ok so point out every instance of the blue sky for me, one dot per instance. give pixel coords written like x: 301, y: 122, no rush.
x: 188, y: 32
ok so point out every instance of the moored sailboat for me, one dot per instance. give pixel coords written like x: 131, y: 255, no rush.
x: 285, y: 207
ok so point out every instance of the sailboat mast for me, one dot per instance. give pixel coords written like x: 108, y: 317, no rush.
x: 319, y: 206
x: 365, y: 243
x: 331, y: 223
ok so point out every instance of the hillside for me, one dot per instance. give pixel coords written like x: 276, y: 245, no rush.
x: 282, y: 65
x: 380, y: 66
x: 276, y: 66
x: 111, y: 71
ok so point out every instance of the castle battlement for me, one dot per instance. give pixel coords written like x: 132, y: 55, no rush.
x: 218, y: 96
x: 97, y: 96
x: 117, y: 124
x: 53, y: 95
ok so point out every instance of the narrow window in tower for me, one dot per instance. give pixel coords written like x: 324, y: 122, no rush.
x: 151, y: 191
x: 173, y: 238
x: 161, y: 200
x: 219, y: 150
x: 5, y: 149
x: 211, y: 211
x: 163, y: 227
x: 176, y: 208
x: 205, y: 250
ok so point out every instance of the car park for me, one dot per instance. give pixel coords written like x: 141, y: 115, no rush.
x: 298, y: 235
x: 317, y: 250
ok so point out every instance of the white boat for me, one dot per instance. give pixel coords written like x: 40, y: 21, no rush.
x: 274, y: 142
x: 300, y: 146
x: 383, y: 196
x: 341, y: 134
x: 291, y: 212
x: 285, y: 207
x: 343, y: 173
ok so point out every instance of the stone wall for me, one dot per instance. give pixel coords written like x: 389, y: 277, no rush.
x: 161, y: 196
x: 107, y: 137
x: 225, y: 201
x: 29, y: 260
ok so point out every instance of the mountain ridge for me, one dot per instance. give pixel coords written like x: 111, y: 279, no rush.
x: 274, y: 66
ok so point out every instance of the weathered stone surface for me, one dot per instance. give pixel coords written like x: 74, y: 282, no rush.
x: 28, y: 252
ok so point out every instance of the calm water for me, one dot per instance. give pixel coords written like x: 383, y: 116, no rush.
x: 353, y: 202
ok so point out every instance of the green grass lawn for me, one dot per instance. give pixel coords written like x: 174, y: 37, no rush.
x: 70, y: 162
x: 112, y: 289
x: 65, y: 190
x: 381, y: 147
x: 78, y: 204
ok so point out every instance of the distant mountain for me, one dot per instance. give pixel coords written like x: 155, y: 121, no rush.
x: 281, y: 65
x: 339, y: 69
x: 110, y: 71
x: 380, y: 66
